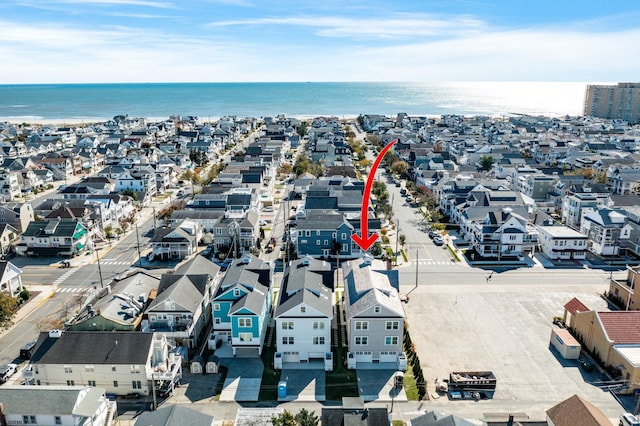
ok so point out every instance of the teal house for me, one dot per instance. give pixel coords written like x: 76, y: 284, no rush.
x: 242, y: 304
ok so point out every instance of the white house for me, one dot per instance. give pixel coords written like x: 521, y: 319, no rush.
x: 304, y: 311
x: 608, y: 230
x: 10, y: 278
x: 562, y: 243
x: 56, y: 405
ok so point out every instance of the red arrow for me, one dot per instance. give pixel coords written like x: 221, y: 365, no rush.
x: 365, y: 241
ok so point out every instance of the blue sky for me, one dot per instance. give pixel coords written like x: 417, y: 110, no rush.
x: 76, y: 41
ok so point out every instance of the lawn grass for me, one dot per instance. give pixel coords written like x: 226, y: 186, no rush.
x: 270, y: 376
x: 410, y: 386
x: 404, y: 255
x: 341, y: 381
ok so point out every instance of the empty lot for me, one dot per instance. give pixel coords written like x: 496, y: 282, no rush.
x: 466, y: 322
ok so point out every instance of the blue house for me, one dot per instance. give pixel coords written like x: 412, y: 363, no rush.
x: 242, y: 303
x: 320, y: 233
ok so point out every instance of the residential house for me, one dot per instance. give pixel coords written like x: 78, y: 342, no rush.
x: 121, y: 362
x: 56, y: 405
x: 10, y: 278
x: 242, y: 304
x: 9, y: 184
x: 576, y: 411
x: 239, y: 233
x: 573, y: 206
x: 182, y: 307
x: 180, y: 241
x: 119, y: 307
x: 174, y: 414
x: 373, y: 311
x: 304, y: 311
x: 607, y: 229
x: 53, y: 238
x: 18, y: 215
x: 9, y: 237
x: 562, y: 243
x: 353, y: 411
x: 623, y: 291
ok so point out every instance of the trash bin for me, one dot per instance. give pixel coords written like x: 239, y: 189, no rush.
x: 282, y: 389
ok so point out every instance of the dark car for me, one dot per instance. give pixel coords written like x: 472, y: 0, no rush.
x: 132, y: 395
x: 27, y: 350
x: 433, y: 234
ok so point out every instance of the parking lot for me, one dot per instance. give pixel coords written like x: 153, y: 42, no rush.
x: 503, y: 325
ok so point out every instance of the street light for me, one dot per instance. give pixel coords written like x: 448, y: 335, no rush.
x: 99, y: 267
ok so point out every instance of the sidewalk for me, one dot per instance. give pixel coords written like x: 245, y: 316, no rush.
x: 45, y: 292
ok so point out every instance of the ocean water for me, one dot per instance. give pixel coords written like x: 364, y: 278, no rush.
x: 94, y: 102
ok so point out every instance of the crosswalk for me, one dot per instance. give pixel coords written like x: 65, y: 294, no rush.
x: 71, y: 289
x: 110, y: 262
x: 438, y: 262
x: 64, y: 276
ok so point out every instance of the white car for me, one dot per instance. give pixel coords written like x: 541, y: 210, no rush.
x: 268, y: 209
x: 6, y: 371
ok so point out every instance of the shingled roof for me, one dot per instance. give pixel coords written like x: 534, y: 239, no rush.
x: 577, y: 411
x: 575, y: 305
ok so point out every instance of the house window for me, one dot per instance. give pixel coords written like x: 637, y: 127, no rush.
x: 89, y: 368
x: 68, y: 369
x: 58, y: 419
x: 303, y: 309
x: 135, y: 368
x: 362, y: 325
x: 287, y: 325
x: 91, y: 383
x: 307, y: 233
x: 113, y: 368
x: 136, y: 384
x: 391, y: 340
x: 115, y: 383
x: 245, y: 337
x: 345, y: 247
x: 392, y: 325
x: 216, y: 306
x: 344, y: 236
x: 326, y: 242
x: 377, y: 309
x: 317, y: 233
x: 319, y: 340
x: 333, y: 235
x: 362, y: 340
x: 236, y: 292
x: 318, y: 325
x: 71, y: 383
x: 317, y: 242
x: 512, y: 237
x: 244, y: 322
x: 287, y: 340
x: 29, y: 420
x: 218, y: 321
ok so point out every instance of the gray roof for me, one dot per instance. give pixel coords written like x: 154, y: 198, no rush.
x: 63, y: 228
x: 93, y: 347
x: 307, y: 281
x: 172, y: 415
x: 328, y: 221
x: 49, y: 400
x: 366, y: 287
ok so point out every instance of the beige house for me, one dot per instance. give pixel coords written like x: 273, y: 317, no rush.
x: 121, y: 362
x: 623, y: 291
x: 613, y: 337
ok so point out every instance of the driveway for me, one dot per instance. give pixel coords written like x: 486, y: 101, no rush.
x: 376, y: 383
x: 305, y: 382
x: 243, y: 380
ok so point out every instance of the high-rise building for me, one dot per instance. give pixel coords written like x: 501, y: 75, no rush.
x: 621, y: 101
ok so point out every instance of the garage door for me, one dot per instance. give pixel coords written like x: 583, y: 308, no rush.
x: 291, y: 357
x: 388, y: 356
x: 364, y: 356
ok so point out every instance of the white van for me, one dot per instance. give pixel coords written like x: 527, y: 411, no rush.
x: 628, y: 419
x: 6, y: 371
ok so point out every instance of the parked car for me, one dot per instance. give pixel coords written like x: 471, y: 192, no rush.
x: 433, y: 234
x: 438, y: 241
x: 27, y: 350
x: 6, y: 371
x: 132, y: 395
x: 268, y: 209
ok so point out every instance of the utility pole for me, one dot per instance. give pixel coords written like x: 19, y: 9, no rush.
x: 397, y: 237
x: 138, y: 244
x: 154, y: 220
x: 99, y: 268
x: 416, y: 269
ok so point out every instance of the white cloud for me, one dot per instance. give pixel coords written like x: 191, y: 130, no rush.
x: 397, y: 26
x: 145, y: 3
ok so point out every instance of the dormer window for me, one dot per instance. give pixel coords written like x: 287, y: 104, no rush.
x: 236, y: 292
x: 303, y: 309
x: 377, y: 309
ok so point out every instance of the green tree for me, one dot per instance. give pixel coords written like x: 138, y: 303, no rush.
x: 283, y: 419
x: 130, y: 193
x: 302, y: 128
x: 400, y: 167
x: 486, y: 162
x: 402, y: 239
x: 307, y: 418
x: 376, y: 249
x: 8, y: 308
